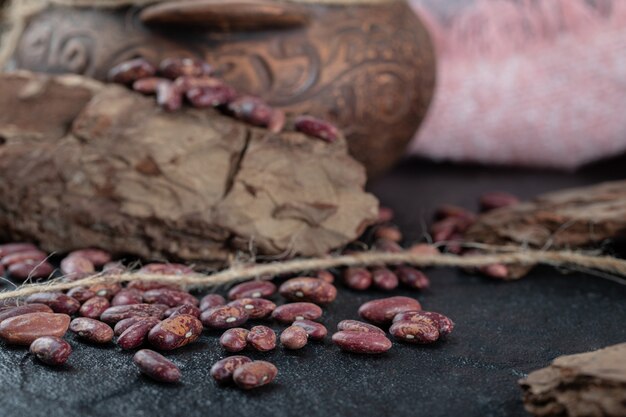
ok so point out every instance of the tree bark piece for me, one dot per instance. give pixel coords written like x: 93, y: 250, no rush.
x: 86, y: 164
x: 591, y: 384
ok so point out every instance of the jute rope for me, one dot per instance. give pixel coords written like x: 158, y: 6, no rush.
x: 564, y: 259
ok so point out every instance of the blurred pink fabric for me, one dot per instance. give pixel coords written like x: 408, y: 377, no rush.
x: 526, y: 82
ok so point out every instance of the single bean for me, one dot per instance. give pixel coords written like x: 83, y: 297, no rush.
x: 254, y: 374
x: 251, y: 110
x: 156, y: 366
x: 294, y: 337
x: 51, y: 350
x: 173, y: 68
x: 317, y: 128
x: 224, y: 317
x: 57, y: 301
x: 135, y: 335
x: 384, y: 279
x: 127, y: 296
x: 169, y: 97
x: 257, y: 308
x: 326, y: 276
x: 81, y: 294
x: 186, y: 309
x: 358, y: 326
x: 262, y: 338
x: 362, y: 342
x: 203, y: 97
x: 122, y: 325
x: 106, y: 290
x: 111, y: 268
x: 92, y: 330
x: 383, y: 310
x: 76, y: 266
x: 421, y: 332
x: 9, y: 248
x: 499, y: 271
x: 234, y: 340
x: 314, y: 330
x: 171, y: 298
x: 386, y: 245
x: 412, y: 278
x: 222, y: 371
x: 252, y: 289
x: 175, y: 332
x: 30, y: 269
x: 443, y: 323
x: 114, y: 314
x: 424, y: 249
x: 129, y: 71
x: 388, y: 232
x: 25, y: 328
x: 33, y: 256
x: 94, y: 307
x: 210, y: 301
x: 23, y: 309
x: 98, y: 257
x: 385, y: 214
x: 288, y: 313
x: 308, y: 289
x: 357, y: 278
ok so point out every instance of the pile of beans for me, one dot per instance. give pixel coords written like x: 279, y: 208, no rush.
x: 175, y: 81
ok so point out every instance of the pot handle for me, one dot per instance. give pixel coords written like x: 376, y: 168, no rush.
x: 225, y: 15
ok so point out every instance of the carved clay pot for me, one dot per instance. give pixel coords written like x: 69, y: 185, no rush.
x: 368, y: 67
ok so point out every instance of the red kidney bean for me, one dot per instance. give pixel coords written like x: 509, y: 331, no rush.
x: 29, y: 269
x: 252, y: 289
x: 92, y: 330
x: 123, y: 325
x: 210, y: 301
x: 81, y: 294
x: 135, y: 335
x: 169, y: 97
x: 385, y: 214
x: 496, y: 199
x: 94, y: 307
x: 386, y: 245
x: 358, y: 326
x: 412, y: 278
x: 384, y: 279
x: 106, y: 290
x: 362, y: 342
x: 114, y: 314
x: 499, y: 271
x: 98, y: 257
x: 315, y: 331
x: 277, y: 121
x: 160, y: 269
x: 222, y: 371
x: 415, y: 332
x: 33, y: 256
x: 224, y: 317
x: 25, y: 328
x: 443, y: 324
x: 132, y: 70
x: 252, y: 110
x: 171, y: 298
x: 23, y: 309
x: 357, y: 278
x: 113, y: 268
x: 186, y: 309
x: 173, y: 68
x: 9, y: 248
x: 317, y: 128
x: 76, y: 267
x: 51, y: 350
x: 148, y: 85
x: 308, y: 289
x: 257, y: 308
x: 127, y: 296
x: 156, y: 366
x: 234, y: 340
x: 288, y: 313
x: 294, y: 337
x: 388, y: 232
x: 254, y: 374
x: 203, y: 97
x: 186, y: 82
x: 175, y: 332
x: 262, y: 338
x: 57, y: 301
x: 383, y: 310
x: 424, y: 249
x: 325, y: 276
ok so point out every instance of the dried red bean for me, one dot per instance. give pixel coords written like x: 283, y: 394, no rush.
x: 203, y: 97
x: 424, y: 249
x: 77, y: 267
x: 257, y: 308
x: 252, y: 289
x: 386, y: 245
x: 357, y: 278
x: 173, y: 68
x: 51, y: 350
x: 127, y: 296
x: 171, y: 298
x: 57, y: 301
x: 169, y: 97
x: 385, y: 214
x: 315, y: 331
x: 92, y: 330
x: 308, y: 289
x: 317, y: 128
x: 224, y: 317
x: 25, y: 328
x: 262, y: 338
x: 122, y: 325
x: 98, y: 257
x: 94, y: 307
x: 499, y: 271
x: 210, y: 301
x: 175, y: 332
x: 148, y: 85
x: 129, y: 71
x: 162, y: 269
x: 135, y: 335
x: 384, y: 279
x: 29, y: 269
x: 325, y: 276
x: 358, y: 326
x: 222, y: 371
x: 362, y: 342
x: 251, y: 110
x: 254, y: 374
x: 81, y: 294
x: 421, y: 332
x: 187, y: 309
x: 412, y: 278
x: 383, y: 310
x: 495, y: 200
x: 388, y: 232
x: 288, y: 313
x: 27, y: 256
x: 23, y: 309
x: 111, y: 268
x: 234, y: 340
x: 443, y: 323
x: 9, y: 248
x: 294, y: 337
x: 156, y: 366
x: 114, y: 314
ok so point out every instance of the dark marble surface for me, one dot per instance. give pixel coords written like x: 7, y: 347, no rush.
x: 504, y: 330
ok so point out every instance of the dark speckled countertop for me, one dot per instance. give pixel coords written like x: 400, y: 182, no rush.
x: 504, y: 330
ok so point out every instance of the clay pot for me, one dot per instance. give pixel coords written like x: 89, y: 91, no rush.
x: 368, y: 67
